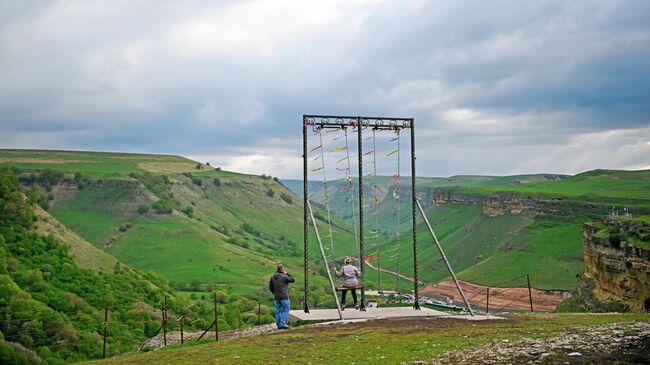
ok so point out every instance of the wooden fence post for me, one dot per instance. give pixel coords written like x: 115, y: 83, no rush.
x: 530, y: 294
x: 259, y: 309
x: 105, y: 325
x: 181, y: 321
x: 216, y: 319
x: 164, y: 320
x: 487, y: 302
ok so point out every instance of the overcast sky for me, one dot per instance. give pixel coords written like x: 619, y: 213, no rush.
x: 501, y: 87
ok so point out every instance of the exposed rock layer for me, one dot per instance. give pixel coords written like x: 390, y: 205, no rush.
x: 614, y: 271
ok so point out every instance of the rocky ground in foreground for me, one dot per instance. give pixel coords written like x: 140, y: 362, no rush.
x: 618, y: 343
x: 158, y: 342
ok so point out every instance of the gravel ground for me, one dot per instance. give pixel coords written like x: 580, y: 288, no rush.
x: 158, y: 342
x: 619, y: 343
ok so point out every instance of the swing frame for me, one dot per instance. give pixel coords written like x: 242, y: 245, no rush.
x: 361, y: 123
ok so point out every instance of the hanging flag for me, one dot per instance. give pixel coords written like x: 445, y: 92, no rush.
x: 318, y: 169
x: 343, y: 159
x: 391, y: 153
x: 315, y: 148
x: 337, y: 149
x: 368, y: 174
x: 337, y: 138
x: 317, y: 158
x: 369, y: 152
x: 394, y: 139
x: 342, y: 169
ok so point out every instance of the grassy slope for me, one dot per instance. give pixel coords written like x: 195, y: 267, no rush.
x: 622, y: 188
x: 181, y: 248
x: 371, y: 343
x: 85, y: 254
x: 489, y: 250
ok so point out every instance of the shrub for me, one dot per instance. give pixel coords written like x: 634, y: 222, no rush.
x: 270, y: 193
x: 143, y: 208
x: 163, y: 206
x: 198, y: 166
x: 188, y: 211
x: 250, y: 229
x: 216, y: 181
x: 196, y: 181
x: 286, y: 197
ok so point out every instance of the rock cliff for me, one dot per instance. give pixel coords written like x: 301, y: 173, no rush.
x: 617, y: 270
x: 502, y: 203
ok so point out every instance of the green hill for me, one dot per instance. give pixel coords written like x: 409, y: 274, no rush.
x: 490, y: 250
x: 196, y: 225
x: 51, y: 304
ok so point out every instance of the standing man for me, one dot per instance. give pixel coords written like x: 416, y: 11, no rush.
x: 279, y: 286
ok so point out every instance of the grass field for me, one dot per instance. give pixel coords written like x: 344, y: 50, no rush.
x: 386, y: 342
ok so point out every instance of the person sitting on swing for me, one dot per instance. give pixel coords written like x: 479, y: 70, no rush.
x: 350, y: 273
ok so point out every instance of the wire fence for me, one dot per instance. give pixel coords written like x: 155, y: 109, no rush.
x: 19, y: 329
x: 499, y: 297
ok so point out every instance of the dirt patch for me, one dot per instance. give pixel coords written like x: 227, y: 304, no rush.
x: 500, y: 298
x: 398, y: 325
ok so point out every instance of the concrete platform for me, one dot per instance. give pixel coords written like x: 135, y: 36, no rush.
x: 370, y: 313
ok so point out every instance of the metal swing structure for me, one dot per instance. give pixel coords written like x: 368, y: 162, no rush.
x: 329, y: 124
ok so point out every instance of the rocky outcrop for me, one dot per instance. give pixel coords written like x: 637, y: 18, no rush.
x: 617, y: 273
x: 502, y: 203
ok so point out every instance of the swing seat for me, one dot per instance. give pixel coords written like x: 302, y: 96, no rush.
x: 349, y: 288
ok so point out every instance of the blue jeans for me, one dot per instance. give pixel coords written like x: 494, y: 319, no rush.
x: 281, y: 312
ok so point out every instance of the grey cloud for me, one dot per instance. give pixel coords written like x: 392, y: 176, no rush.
x: 492, y: 85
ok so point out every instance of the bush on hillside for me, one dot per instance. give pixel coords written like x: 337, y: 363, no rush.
x: 188, y: 211
x: 216, y: 181
x: 163, y: 206
x: 250, y: 229
x: 143, y: 208
x: 270, y: 193
x: 286, y: 197
x: 50, y: 177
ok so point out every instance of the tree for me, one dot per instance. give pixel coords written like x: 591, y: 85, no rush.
x: 143, y: 208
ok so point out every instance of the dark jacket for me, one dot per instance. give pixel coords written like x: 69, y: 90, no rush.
x: 279, y: 285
